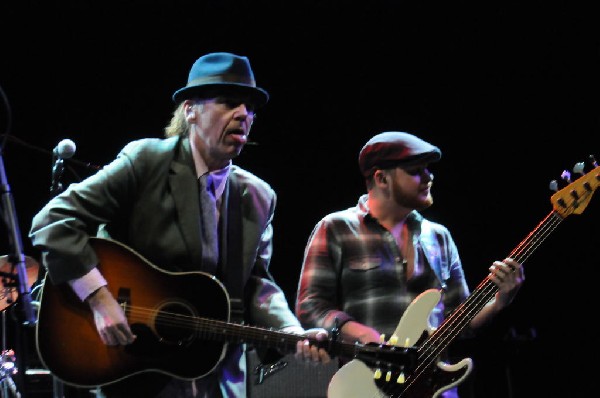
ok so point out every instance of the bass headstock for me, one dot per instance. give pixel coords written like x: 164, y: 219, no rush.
x: 575, y: 197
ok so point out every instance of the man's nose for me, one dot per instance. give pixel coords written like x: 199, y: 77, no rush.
x: 243, y: 112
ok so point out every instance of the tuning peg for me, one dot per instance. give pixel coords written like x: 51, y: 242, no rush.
x: 556, y: 185
x: 382, y: 338
x: 388, y: 375
x: 401, y: 378
x: 593, y: 160
x: 393, y: 340
x: 566, y: 176
x: 579, y: 168
x: 377, y: 374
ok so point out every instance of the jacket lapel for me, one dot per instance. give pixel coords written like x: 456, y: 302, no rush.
x: 184, y: 187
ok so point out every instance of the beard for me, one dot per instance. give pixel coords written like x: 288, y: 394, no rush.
x: 417, y: 201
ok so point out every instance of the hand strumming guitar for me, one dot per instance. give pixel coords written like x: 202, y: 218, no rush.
x: 110, y: 319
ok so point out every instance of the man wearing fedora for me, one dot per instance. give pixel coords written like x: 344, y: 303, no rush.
x: 181, y: 204
x: 363, y: 266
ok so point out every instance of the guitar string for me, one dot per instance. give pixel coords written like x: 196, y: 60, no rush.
x: 483, y: 293
x: 213, y: 329
x: 220, y: 330
x: 487, y: 289
x: 438, y: 341
x: 474, y: 303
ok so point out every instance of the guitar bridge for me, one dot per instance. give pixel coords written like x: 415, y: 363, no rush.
x: 124, y: 299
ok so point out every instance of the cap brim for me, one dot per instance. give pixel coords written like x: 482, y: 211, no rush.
x: 423, y: 158
x: 259, y: 96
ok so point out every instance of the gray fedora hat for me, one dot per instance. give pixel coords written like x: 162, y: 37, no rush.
x: 221, y: 71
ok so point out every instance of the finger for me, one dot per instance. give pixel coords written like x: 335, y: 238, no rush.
x: 500, y: 269
x: 126, y: 336
x: 324, y: 356
x: 299, y: 351
x: 123, y: 335
x: 107, y: 337
x: 306, y: 350
x: 517, y: 269
x: 303, y: 350
x: 314, y: 353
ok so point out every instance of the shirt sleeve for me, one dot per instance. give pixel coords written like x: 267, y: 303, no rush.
x: 316, y: 302
x: 87, y: 284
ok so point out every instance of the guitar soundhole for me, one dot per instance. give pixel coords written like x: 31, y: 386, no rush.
x: 174, y: 323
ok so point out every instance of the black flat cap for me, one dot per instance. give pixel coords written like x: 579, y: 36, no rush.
x: 395, y: 148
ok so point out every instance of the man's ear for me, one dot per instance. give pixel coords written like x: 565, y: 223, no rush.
x: 380, y: 176
x: 190, y: 111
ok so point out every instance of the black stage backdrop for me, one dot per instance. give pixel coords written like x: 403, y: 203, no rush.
x: 509, y: 93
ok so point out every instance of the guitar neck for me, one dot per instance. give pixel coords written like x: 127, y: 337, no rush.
x: 441, y: 338
x: 572, y: 199
x: 216, y: 330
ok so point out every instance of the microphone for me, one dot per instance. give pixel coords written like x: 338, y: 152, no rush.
x: 64, y: 150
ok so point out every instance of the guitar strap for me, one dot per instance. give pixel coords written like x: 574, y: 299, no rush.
x: 231, y: 244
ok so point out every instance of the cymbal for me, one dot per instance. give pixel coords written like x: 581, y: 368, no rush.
x: 9, y: 294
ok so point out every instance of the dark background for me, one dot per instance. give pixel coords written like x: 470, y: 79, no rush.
x: 508, y: 92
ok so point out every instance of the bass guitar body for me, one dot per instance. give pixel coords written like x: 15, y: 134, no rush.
x: 357, y: 380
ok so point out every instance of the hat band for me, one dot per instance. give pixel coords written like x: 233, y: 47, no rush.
x: 221, y: 79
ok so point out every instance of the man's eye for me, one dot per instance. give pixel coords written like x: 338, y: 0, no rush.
x: 414, y: 172
x: 234, y: 103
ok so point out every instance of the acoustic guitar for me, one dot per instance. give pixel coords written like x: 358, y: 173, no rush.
x: 182, y: 323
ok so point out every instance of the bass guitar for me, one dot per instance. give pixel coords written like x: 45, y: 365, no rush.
x: 182, y: 323
x: 431, y: 377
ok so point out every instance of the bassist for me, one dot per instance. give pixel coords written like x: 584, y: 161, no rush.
x: 363, y: 266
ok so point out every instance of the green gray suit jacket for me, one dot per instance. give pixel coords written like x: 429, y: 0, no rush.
x: 147, y: 199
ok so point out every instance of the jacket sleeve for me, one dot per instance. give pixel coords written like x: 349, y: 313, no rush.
x: 60, y: 230
x: 267, y: 304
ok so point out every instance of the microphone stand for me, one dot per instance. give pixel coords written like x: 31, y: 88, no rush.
x: 24, y: 306
x: 56, y: 187
x: 57, y: 171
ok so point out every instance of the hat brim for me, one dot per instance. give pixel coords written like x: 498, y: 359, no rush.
x: 423, y: 158
x: 258, y: 96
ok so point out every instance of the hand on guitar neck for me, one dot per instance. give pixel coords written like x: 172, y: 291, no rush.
x: 354, y: 331
x: 311, y: 348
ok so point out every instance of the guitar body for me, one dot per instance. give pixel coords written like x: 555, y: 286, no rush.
x: 181, y: 322
x: 356, y: 380
x: 68, y: 343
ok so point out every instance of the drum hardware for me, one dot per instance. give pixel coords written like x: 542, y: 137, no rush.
x: 8, y: 296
